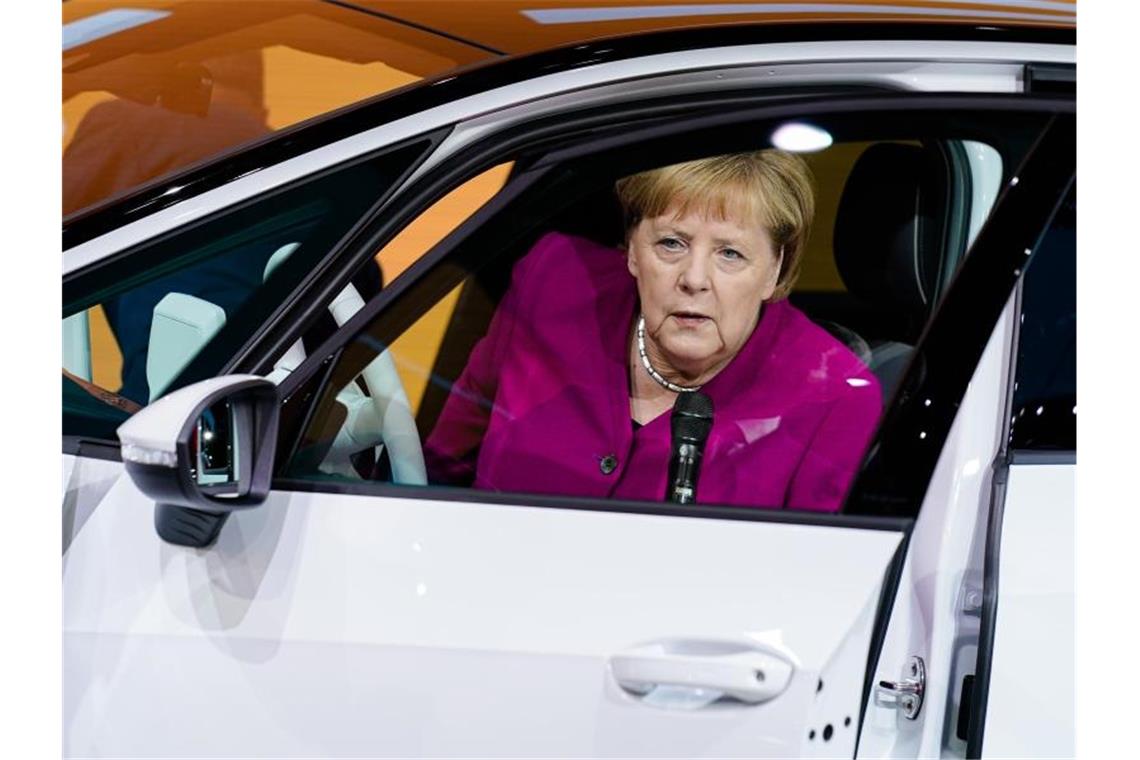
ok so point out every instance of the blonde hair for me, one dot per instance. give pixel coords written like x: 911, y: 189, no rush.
x: 773, y: 186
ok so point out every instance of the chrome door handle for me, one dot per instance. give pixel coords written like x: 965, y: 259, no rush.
x: 709, y: 668
x: 906, y: 693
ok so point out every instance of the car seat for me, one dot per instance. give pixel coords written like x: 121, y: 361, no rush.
x: 77, y: 345
x: 181, y: 325
x: 889, y: 247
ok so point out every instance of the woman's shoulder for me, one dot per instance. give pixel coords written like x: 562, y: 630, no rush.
x: 567, y: 265
x: 570, y: 250
x: 821, y: 359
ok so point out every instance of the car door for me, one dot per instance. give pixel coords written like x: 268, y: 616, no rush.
x: 1027, y: 613
x: 365, y: 618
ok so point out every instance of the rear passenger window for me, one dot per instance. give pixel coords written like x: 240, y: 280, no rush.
x: 1044, y: 413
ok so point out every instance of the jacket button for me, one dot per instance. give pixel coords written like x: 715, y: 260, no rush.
x: 608, y: 464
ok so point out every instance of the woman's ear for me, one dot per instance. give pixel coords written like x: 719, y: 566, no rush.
x: 630, y: 257
x: 774, y: 277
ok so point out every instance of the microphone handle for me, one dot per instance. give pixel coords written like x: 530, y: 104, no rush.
x: 683, y: 484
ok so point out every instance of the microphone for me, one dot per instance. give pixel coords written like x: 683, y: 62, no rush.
x: 691, y: 422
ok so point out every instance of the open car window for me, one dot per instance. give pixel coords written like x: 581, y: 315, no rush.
x: 899, y: 199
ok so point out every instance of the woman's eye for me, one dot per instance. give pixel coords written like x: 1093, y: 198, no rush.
x: 670, y: 244
x: 732, y: 254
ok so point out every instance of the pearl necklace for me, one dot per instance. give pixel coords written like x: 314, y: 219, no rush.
x: 649, y: 367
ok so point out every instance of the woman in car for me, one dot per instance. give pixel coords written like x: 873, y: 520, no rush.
x: 570, y: 391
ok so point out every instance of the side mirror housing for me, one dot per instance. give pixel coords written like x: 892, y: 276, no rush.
x: 202, y: 452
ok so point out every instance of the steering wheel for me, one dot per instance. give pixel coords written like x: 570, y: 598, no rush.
x: 384, y: 415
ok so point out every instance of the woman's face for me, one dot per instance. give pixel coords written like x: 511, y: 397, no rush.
x: 702, y: 281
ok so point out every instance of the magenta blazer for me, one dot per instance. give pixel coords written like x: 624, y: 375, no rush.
x: 543, y: 404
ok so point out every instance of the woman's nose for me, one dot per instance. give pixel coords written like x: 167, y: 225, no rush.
x: 695, y: 273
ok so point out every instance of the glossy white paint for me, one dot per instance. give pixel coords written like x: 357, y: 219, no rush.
x: 334, y: 625
x: 899, y: 74
x: 85, y: 482
x: 925, y: 617
x: 156, y: 427
x: 852, y: 53
x: 1030, y: 711
x: 688, y: 674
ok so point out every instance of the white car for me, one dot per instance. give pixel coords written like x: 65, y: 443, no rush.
x: 255, y: 566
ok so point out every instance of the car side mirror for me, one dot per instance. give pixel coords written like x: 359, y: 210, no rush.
x: 202, y: 452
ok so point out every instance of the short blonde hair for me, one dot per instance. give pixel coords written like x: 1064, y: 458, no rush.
x: 774, y: 186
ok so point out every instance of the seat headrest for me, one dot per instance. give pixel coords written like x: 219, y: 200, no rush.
x: 890, y: 228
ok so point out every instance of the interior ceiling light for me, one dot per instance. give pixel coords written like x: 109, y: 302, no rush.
x: 801, y: 138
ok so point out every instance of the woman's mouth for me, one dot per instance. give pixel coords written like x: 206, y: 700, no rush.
x: 690, y: 318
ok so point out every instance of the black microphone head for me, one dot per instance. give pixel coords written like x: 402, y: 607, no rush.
x: 692, y: 418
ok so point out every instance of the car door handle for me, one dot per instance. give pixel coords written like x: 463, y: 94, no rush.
x: 701, y: 671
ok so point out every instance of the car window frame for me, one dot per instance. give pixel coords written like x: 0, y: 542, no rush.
x: 424, y: 189
x: 301, y: 389
x: 547, y: 134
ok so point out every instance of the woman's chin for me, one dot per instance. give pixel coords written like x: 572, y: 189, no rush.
x: 691, y: 361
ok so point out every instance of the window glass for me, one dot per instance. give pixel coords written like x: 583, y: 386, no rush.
x: 415, y: 351
x: 157, y: 86
x: 1045, y: 391
x: 534, y: 386
x: 191, y: 299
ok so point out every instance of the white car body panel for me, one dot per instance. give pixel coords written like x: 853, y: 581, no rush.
x: 1031, y: 707
x: 325, y: 624
x: 86, y: 481
x: 852, y: 53
x: 892, y: 74
x: 924, y: 620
